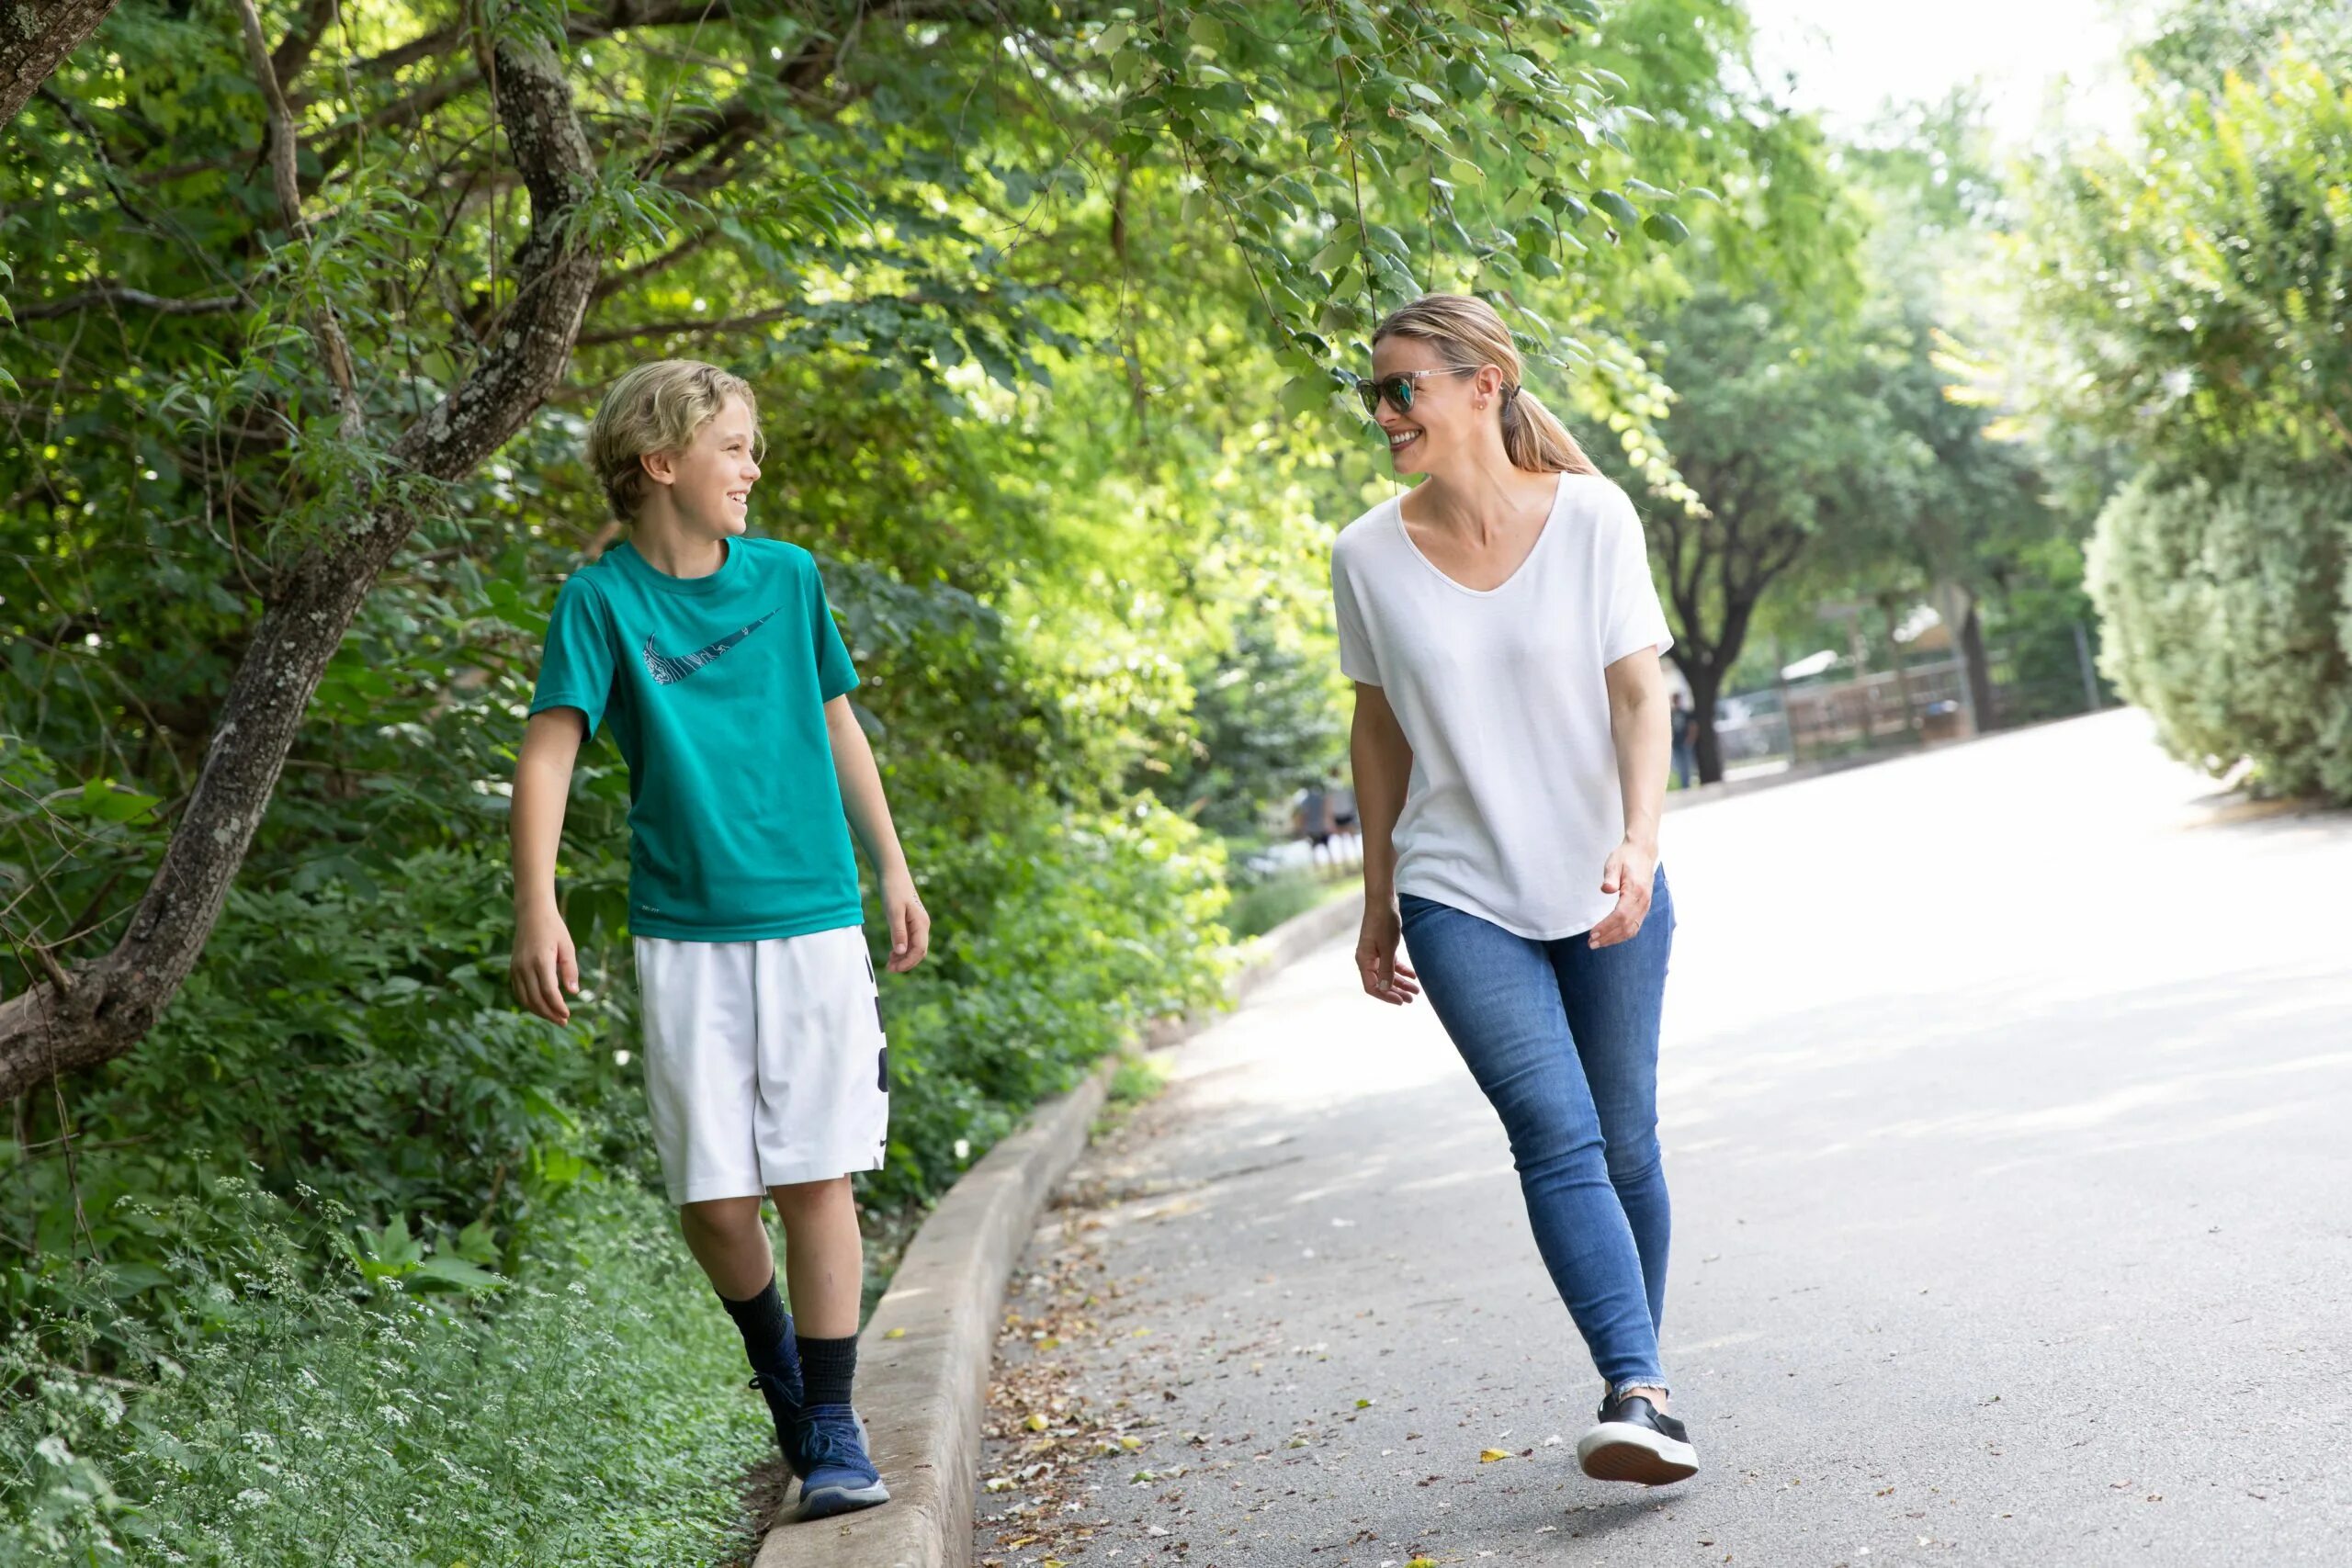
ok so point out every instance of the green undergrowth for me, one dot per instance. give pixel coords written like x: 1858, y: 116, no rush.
x: 1259, y: 904
x: 588, y: 1409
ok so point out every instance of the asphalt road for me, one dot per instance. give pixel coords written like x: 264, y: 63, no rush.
x: 2006, y: 1094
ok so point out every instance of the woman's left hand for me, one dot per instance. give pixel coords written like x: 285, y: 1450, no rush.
x: 910, y: 923
x: 1631, y: 871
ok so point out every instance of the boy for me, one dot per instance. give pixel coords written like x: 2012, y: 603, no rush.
x: 714, y: 661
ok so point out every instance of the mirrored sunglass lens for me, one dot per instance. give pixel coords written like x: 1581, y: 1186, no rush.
x: 1369, y: 395
x: 1400, y: 392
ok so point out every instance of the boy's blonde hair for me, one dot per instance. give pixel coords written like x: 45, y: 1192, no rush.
x: 657, y: 407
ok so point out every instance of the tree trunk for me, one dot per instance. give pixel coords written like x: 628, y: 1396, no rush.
x: 35, y: 38
x: 1706, y: 747
x: 1978, y: 668
x: 101, y: 1009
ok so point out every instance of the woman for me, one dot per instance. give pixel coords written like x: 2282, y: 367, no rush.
x: 1510, y: 749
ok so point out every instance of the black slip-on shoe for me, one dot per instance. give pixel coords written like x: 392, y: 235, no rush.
x: 1633, y: 1442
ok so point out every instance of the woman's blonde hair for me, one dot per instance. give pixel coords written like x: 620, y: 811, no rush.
x: 657, y: 407
x: 1468, y: 334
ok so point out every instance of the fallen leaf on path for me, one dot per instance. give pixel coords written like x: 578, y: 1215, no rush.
x: 896, y: 1334
x: 1488, y: 1456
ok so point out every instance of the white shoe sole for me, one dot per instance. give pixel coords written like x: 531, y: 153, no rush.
x: 1619, y: 1451
x: 829, y: 1501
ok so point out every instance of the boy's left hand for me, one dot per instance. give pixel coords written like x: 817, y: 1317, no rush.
x: 910, y: 923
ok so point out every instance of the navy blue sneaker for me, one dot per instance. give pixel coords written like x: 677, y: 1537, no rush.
x: 840, y: 1478
x: 782, y: 1391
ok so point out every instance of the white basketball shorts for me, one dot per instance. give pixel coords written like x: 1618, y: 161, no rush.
x: 764, y: 1061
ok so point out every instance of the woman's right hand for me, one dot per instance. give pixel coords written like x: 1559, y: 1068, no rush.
x: 1385, y: 979
x: 543, y: 966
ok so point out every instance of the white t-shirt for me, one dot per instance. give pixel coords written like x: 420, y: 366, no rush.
x: 1513, y: 806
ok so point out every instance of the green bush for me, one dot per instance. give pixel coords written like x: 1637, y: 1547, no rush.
x: 355, y: 1414
x: 2228, y: 611
x: 1261, y: 905
x: 1069, y: 937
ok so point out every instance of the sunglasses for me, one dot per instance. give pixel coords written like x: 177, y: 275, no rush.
x: 1398, y: 389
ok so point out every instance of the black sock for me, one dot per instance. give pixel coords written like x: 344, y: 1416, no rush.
x: 762, y: 1325
x: 826, y: 1368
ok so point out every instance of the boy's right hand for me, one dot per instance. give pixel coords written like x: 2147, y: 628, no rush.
x: 545, y: 965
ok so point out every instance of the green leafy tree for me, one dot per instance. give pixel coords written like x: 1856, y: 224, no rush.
x: 877, y: 167
x: 1777, y: 431
x: 2189, y: 287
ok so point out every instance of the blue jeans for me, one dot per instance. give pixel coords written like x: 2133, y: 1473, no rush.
x: 1564, y: 1041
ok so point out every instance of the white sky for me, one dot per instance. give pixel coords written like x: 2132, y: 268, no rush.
x: 1851, y: 55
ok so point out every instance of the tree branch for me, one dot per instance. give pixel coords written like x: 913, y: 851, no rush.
x: 138, y: 299
x: 620, y: 18
x: 35, y: 38
x: 612, y: 282
x: 48, y: 1030
x: 282, y: 149
x: 287, y: 60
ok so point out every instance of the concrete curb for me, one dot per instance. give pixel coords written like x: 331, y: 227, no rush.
x: 923, y: 1358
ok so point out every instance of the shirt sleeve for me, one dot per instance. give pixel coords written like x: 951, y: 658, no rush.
x: 576, y: 665
x: 1631, y: 613
x: 835, y: 673
x: 1356, y: 661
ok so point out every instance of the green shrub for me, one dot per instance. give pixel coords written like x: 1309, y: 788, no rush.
x: 596, y: 1416
x: 1262, y: 905
x: 1070, y: 936
x: 2228, y: 613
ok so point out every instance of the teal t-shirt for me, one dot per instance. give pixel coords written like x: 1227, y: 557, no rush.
x: 715, y: 690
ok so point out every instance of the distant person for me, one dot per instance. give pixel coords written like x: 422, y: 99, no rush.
x: 714, y: 661
x: 1311, y: 820
x: 1684, y: 723
x: 1344, y: 825
x: 1510, y: 743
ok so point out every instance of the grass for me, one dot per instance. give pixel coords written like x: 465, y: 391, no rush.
x: 591, y: 1411
x: 1259, y: 906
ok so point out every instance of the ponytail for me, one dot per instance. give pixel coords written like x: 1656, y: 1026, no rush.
x: 1535, y: 441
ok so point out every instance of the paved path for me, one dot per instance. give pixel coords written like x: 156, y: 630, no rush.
x: 2007, y: 1104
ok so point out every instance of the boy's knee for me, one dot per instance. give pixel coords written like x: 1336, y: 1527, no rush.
x: 720, y: 1218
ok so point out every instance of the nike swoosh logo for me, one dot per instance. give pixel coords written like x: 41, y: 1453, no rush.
x: 666, y: 668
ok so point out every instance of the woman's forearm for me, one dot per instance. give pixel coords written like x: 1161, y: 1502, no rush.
x: 1641, y: 727
x: 1383, y: 764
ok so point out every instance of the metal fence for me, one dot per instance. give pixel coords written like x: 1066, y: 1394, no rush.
x: 1884, y: 709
